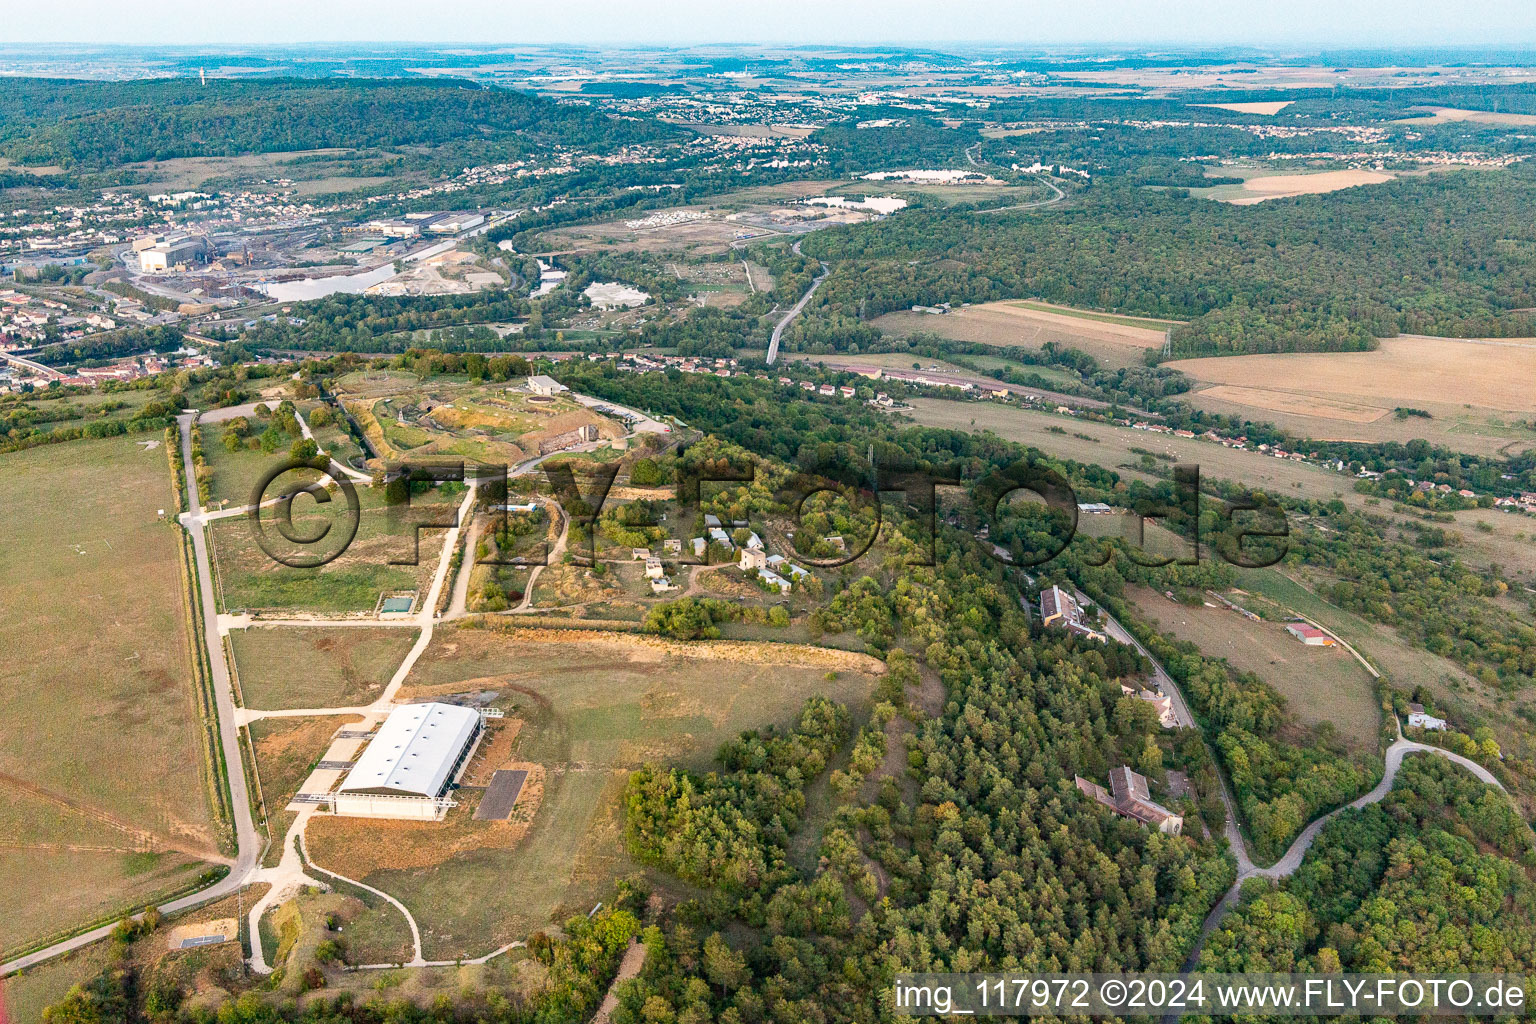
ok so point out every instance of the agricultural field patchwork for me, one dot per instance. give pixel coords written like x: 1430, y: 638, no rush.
x: 1475, y: 391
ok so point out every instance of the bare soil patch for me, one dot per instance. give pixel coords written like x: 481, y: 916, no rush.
x: 1278, y: 186
x: 1268, y: 108
x: 358, y: 847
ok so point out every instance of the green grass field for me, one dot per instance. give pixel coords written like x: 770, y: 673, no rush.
x: 236, y: 473
x: 1469, y: 701
x: 102, y: 746
x: 250, y: 579
x: 591, y: 711
x: 316, y: 668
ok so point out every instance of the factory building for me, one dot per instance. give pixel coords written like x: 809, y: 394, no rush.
x: 173, y: 254
x: 406, y: 771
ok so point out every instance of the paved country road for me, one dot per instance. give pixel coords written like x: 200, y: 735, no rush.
x: 773, y: 343
x: 1291, y: 860
x: 1293, y: 856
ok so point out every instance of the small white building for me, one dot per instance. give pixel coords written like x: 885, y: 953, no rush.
x: 407, y: 768
x: 1418, y: 718
x: 540, y: 384
x: 773, y: 579
x: 653, y: 568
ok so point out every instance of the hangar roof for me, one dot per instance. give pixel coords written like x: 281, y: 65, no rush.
x: 414, y: 752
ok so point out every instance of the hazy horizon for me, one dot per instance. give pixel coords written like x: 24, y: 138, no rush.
x: 1106, y: 23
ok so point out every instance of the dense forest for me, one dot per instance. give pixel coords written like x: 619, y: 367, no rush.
x: 99, y: 124
x: 980, y: 855
x: 1447, y: 254
x: 1436, y: 874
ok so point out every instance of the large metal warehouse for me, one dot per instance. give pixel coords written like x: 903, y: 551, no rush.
x: 407, y: 768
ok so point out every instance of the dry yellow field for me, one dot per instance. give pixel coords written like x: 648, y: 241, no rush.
x: 1305, y: 405
x: 1279, y: 186
x: 1010, y: 324
x: 1321, y: 685
x: 1443, y: 115
x: 1475, y: 390
x: 1269, y: 108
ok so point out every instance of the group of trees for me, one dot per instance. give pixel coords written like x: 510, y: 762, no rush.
x: 29, y: 420
x: 977, y: 854
x: 573, y: 967
x: 107, y: 346
x: 1441, y: 603
x: 728, y: 831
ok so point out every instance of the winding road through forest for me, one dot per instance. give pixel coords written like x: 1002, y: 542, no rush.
x: 1293, y: 856
x: 778, y: 332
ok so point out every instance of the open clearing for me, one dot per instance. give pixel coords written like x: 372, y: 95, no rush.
x: 250, y: 579
x: 1320, y: 684
x: 1279, y: 186
x: 1474, y: 390
x: 315, y: 173
x: 588, y: 708
x: 1468, y: 701
x: 1269, y: 108
x: 1445, y: 115
x: 315, y: 667
x: 103, y: 750
x: 1108, y: 445
x: 1114, y: 340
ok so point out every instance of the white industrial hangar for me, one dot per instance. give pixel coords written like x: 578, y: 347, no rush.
x: 407, y: 768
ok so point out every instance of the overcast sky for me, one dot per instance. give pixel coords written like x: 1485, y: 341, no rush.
x: 1333, y: 23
